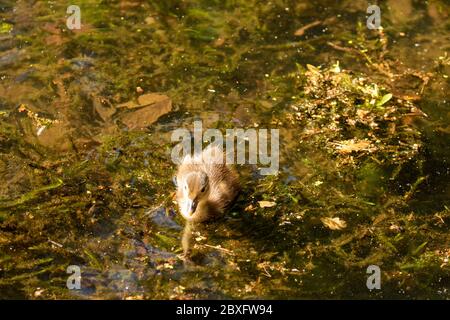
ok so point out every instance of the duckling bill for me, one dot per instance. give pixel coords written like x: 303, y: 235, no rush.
x: 206, y: 186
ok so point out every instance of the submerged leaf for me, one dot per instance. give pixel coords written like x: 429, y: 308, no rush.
x: 148, y: 109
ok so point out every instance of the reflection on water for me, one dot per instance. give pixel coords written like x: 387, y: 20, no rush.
x: 86, y: 118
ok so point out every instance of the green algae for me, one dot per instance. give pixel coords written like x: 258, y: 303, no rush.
x: 4, y: 204
x: 355, y: 146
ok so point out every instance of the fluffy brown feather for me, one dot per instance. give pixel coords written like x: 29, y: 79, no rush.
x: 206, y: 186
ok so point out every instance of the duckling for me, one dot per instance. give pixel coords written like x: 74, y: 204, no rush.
x: 206, y: 186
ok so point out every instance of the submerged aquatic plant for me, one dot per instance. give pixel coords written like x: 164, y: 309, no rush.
x: 363, y: 173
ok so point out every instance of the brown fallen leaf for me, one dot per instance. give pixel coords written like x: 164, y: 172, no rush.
x: 152, y: 98
x: 104, y: 109
x: 128, y: 105
x: 144, y: 100
x: 334, y: 223
x: 148, y: 108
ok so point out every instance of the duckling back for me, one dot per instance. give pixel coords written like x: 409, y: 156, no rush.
x: 223, y: 181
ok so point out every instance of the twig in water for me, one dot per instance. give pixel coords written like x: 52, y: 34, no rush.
x: 219, y: 248
x: 55, y: 243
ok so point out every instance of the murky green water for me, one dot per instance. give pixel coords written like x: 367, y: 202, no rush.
x: 85, y: 148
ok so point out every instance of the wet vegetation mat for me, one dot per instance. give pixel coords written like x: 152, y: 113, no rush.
x: 86, y: 118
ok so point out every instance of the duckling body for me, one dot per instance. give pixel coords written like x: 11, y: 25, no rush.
x: 206, y: 186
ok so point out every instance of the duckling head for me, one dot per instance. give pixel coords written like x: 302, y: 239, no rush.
x: 194, y: 190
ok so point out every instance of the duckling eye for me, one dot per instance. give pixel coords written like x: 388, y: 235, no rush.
x: 203, y: 189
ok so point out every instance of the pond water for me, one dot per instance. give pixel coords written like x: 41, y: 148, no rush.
x: 86, y: 117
